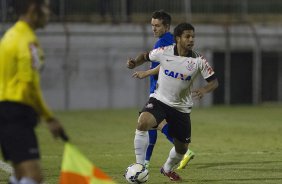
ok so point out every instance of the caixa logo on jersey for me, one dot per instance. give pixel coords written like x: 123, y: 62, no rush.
x: 177, y: 75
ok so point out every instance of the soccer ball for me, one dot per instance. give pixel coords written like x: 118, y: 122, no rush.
x: 136, y: 174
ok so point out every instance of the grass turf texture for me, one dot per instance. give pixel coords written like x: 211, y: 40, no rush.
x: 236, y: 144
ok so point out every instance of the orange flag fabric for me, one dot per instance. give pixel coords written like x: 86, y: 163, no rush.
x: 77, y: 169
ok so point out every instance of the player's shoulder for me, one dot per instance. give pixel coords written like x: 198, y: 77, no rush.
x: 10, y: 38
x: 196, y: 54
x: 168, y: 48
x: 18, y: 34
x: 165, y: 40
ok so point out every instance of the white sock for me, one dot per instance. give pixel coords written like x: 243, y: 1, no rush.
x: 26, y: 180
x: 141, y: 142
x: 173, y: 159
x: 13, y: 180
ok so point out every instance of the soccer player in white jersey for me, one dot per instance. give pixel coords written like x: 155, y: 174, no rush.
x: 160, y: 22
x: 172, y: 99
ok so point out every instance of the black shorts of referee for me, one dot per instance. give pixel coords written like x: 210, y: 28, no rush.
x: 17, y: 137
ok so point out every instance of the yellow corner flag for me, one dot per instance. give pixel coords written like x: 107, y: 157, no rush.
x: 77, y: 169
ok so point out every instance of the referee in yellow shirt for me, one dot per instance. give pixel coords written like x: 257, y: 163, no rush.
x: 21, y: 100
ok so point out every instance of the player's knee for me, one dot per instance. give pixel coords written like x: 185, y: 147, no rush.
x: 145, y: 122
x: 143, y: 126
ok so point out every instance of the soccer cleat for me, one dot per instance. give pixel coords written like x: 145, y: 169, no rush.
x: 173, y: 176
x: 186, y: 159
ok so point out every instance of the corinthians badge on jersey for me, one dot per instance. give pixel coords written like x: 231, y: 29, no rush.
x: 190, y: 65
x: 149, y: 106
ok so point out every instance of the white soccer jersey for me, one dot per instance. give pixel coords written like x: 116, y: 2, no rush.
x: 176, y: 76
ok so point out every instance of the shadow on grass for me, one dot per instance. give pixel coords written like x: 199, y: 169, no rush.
x: 220, y: 164
x: 228, y: 180
x: 247, y: 166
x: 235, y: 179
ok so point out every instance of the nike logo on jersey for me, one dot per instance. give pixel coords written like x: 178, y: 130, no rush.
x: 177, y: 75
x: 169, y: 60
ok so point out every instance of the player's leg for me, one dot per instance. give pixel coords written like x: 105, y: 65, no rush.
x: 189, y: 155
x: 176, y: 154
x: 163, y: 127
x: 19, y: 143
x: 26, y: 165
x: 145, y: 121
x: 180, y: 130
x: 29, y: 172
x: 13, y: 180
x: 25, y: 159
x: 152, y: 114
x: 152, y: 141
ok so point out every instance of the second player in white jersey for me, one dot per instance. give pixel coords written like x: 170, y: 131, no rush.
x: 176, y: 76
x: 172, y: 99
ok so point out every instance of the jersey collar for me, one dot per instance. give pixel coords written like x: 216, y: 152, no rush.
x: 176, y: 52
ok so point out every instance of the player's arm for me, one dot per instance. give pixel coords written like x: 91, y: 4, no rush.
x: 53, y: 124
x: 212, y: 84
x: 28, y: 78
x: 209, y: 75
x: 139, y: 60
x: 144, y: 74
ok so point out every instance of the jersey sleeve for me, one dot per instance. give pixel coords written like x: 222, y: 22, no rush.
x: 43, y: 109
x: 154, y: 55
x: 29, y: 78
x: 205, y: 68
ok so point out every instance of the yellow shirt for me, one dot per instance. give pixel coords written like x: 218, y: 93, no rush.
x: 21, y: 58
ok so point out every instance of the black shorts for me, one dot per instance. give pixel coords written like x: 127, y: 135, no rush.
x: 179, y: 124
x: 17, y: 137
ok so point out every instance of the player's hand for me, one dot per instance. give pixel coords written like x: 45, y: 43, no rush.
x: 131, y: 63
x: 140, y: 74
x: 197, y: 94
x: 56, y: 128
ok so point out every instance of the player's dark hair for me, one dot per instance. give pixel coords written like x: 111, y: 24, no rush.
x: 178, y: 30
x: 162, y: 15
x: 21, y: 6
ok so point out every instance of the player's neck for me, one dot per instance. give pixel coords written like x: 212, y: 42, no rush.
x: 182, y: 52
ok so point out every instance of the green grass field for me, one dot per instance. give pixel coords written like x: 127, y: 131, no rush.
x: 237, y: 144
